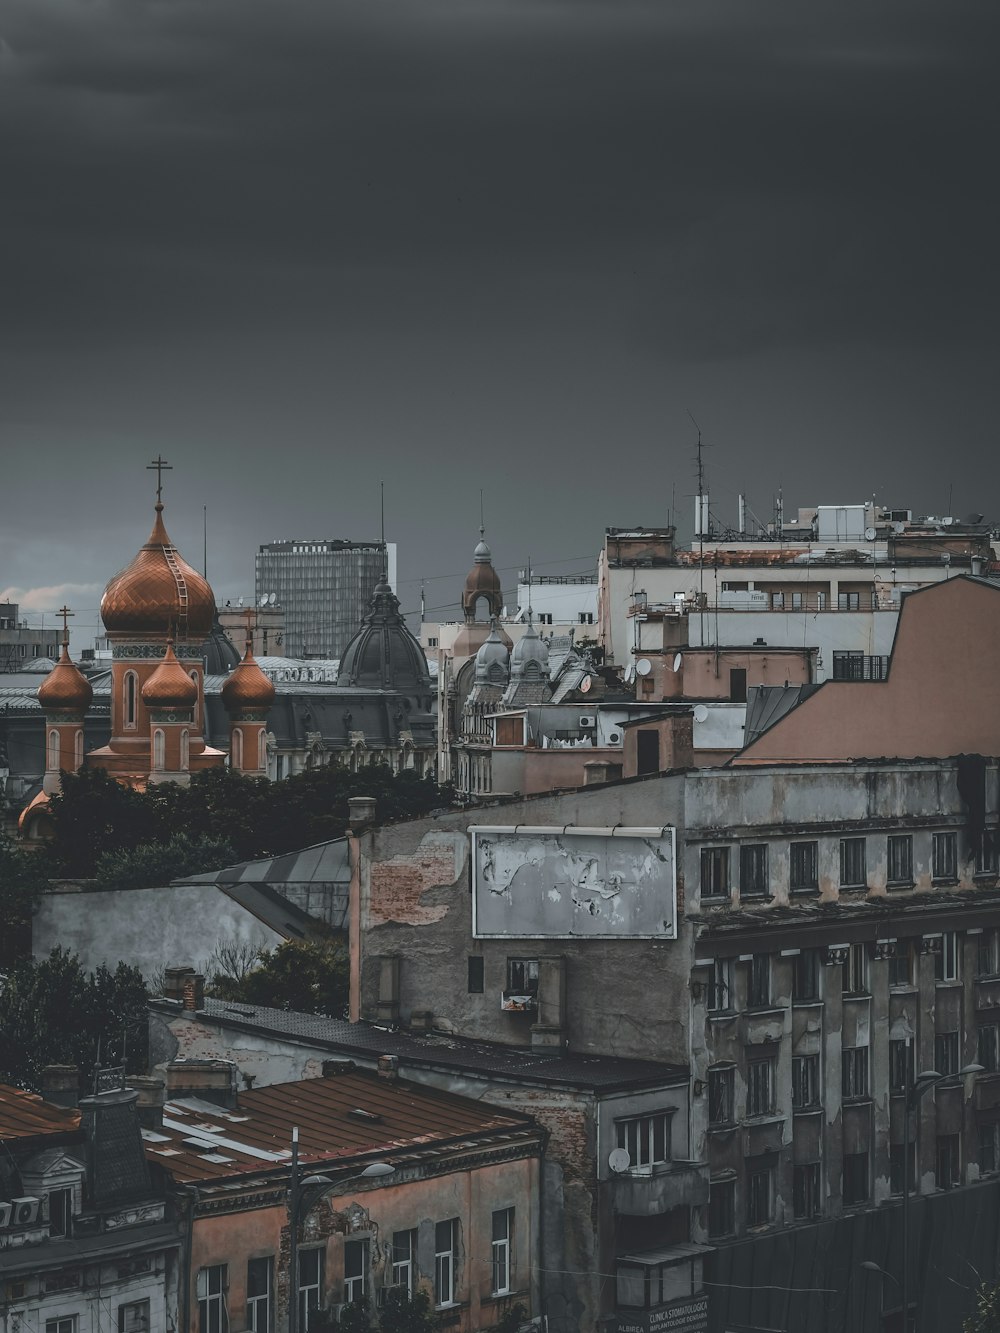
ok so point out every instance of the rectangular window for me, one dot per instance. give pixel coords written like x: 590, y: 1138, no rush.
x: 989, y: 1149
x: 946, y: 1052
x: 445, y: 1255
x: 355, y: 1270
x: 946, y: 961
x: 476, y: 974
x: 856, y: 970
x: 715, y: 872
x: 988, y: 954
x: 854, y: 1072
x: 260, y: 1280
x: 986, y: 855
x: 896, y: 1167
x: 133, y: 1317
x: 60, y: 1211
x: 759, y: 1198
x: 310, y: 1287
x: 777, y: 601
x: 945, y: 856
x: 720, y: 988
x: 899, y: 859
x: 502, y: 1252
x: 404, y: 1249
x: 721, y: 1208
x: 721, y: 1100
x: 988, y: 1047
x: 213, y: 1316
x: 855, y: 1178
x: 805, y: 1081
x: 753, y: 870
x: 646, y: 1139
x: 522, y: 976
x: 759, y: 982
x: 805, y: 1190
x: 803, y: 867
x: 796, y: 601
x: 901, y: 1065
x: 853, y: 871
x: 848, y: 601
x: 901, y: 963
x: 738, y: 685
x: 949, y: 1164
x: 805, y: 976
x: 67, y: 1324
x: 760, y: 1086
x: 821, y: 601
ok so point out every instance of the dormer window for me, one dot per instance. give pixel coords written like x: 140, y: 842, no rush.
x: 60, y: 1211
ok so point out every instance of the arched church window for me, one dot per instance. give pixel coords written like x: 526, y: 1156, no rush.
x: 52, y: 761
x: 236, y: 749
x: 159, y: 750
x: 185, y: 749
x: 130, y: 686
x: 78, y: 750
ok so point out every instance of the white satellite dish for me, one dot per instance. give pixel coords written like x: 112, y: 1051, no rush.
x: 619, y: 1160
x: 585, y: 685
x: 678, y: 659
x: 272, y: 598
x: 870, y: 534
x: 700, y: 713
x: 239, y: 601
x: 263, y: 600
x: 644, y: 666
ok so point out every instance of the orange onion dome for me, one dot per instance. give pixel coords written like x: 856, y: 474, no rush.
x: 247, y: 686
x: 65, y: 686
x: 158, y: 590
x: 170, y: 686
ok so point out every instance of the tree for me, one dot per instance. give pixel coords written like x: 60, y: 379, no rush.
x: 986, y: 1316
x: 310, y: 976
x: 402, y: 1314
x: 23, y: 875
x: 153, y: 863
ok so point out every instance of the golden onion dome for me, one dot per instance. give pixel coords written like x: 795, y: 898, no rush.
x: 247, y: 686
x: 158, y: 591
x: 65, y: 686
x: 169, y: 686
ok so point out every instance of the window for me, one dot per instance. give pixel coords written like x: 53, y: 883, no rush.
x: 355, y: 1270
x: 796, y: 601
x: 52, y: 760
x: 720, y: 988
x: 522, y: 976
x: 805, y: 976
x: 805, y: 1190
x: 259, y: 1281
x: 988, y: 1047
x: 986, y: 854
x: 896, y: 1167
x: 502, y: 1251
x: 715, y: 872
x: 848, y: 601
x: 988, y: 954
x: 856, y: 970
x: 946, y: 1052
x: 803, y: 867
x: 759, y: 981
x: 853, y: 872
x: 310, y: 1286
x: 721, y: 1208
x: 738, y: 685
x: 445, y: 1253
x: 854, y: 1072
x: 477, y: 981
x: 899, y: 859
x: 133, y: 1317
x: 946, y: 962
x: 645, y: 1138
x: 753, y: 870
x: 213, y: 1317
x: 60, y: 1211
x: 989, y: 1149
x: 760, y: 1084
x: 130, y: 689
x: 855, y: 1178
x: 721, y: 1100
x: 901, y: 1065
x: 404, y: 1249
x: 949, y: 1164
x: 901, y: 963
x: 944, y: 863
x: 65, y: 1325
x: 159, y: 749
x: 759, y: 1197
x: 805, y: 1081
x: 777, y: 601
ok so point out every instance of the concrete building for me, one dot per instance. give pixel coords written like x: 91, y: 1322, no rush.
x: 21, y: 644
x: 324, y: 588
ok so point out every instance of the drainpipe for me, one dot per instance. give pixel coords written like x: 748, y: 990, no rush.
x: 191, y: 1196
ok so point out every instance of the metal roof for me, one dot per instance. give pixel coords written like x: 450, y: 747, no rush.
x: 24, y: 1115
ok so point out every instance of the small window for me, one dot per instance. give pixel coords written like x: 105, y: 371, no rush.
x: 986, y: 854
x: 899, y: 859
x: 60, y: 1211
x: 949, y: 1162
x: 738, y: 685
x: 67, y: 1324
x: 946, y: 1052
x: 856, y: 970
x: 901, y: 963
x: 260, y: 1279
x: 715, y: 872
x: 721, y: 1208
x: 946, y: 961
x: 805, y: 1081
x: 945, y: 856
x: 129, y: 700
x: 848, y: 601
x: 901, y: 1065
x: 988, y: 953
x: 805, y: 976
x: 854, y: 1072
x: 806, y: 1190
x: 477, y: 979
x: 134, y: 1317
x: 856, y: 1185
x: 777, y: 601
x: 721, y: 1099
x: 753, y: 870
x: 803, y: 867
x: 404, y: 1252
x: 213, y: 1316
x: 445, y: 1261
x: 796, y: 601
x: 310, y: 1288
x: 355, y: 1270
x: 759, y: 1193
x: 760, y: 1087
x: 759, y: 982
x: 853, y: 871
x: 522, y: 976
x: 720, y: 988
x: 988, y: 1047
x: 646, y: 1139
x: 502, y: 1252
x: 989, y: 1149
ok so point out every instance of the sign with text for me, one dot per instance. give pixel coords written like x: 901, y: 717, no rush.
x: 683, y: 1317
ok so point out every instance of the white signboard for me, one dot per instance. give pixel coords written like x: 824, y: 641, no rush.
x: 573, y: 883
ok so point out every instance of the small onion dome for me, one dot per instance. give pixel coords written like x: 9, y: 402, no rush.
x: 157, y: 590
x: 492, y: 660
x: 170, y: 686
x: 482, y: 581
x: 65, y: 686
x: 530, y: 657
x: 247, y: 686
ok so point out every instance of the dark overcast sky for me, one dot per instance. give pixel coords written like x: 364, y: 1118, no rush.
x: 300, y: 246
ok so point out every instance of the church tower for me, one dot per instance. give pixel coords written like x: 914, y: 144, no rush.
x: 247, y: 695
x: 65, y: 696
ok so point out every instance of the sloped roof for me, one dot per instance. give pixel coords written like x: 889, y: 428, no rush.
x: 24, y: 1115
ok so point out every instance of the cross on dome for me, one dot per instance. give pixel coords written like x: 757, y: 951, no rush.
x: 159, y: 465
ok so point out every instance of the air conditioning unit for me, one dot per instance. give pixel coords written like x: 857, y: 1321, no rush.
x: 588, y: 720
x: 6, y: 1211
x: 25, y: 1211
x: 614, y: 738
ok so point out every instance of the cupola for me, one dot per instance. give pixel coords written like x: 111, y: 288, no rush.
x: 247, y: 687
x: 170, y: 686
x: 65, y: 687
x: 157, y: 590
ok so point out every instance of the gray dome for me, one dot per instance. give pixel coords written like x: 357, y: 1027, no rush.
x: 492, y: 660
x: 384, y: 655
x: 530, y: 657
x: 218, y: 651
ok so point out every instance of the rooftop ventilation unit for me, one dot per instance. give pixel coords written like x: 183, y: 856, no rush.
x: 25, y: 1211
x: 588, y: 720
x: 6, y: 1212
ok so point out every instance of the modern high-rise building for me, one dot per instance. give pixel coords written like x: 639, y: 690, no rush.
x: 324, y: 588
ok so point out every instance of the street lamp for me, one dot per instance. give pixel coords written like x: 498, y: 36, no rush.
x: 915, y: 1089
x: 302, y: 1194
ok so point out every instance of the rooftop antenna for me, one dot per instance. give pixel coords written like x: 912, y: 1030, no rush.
x: 701, y: 531
x: 528, y: 572
x: 204, y: 528
x: 423, y: 603
x: 159, y: 466
x: 385, y: 549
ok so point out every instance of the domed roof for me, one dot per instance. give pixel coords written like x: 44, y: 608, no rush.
x: 158, y: 590
x: 247, y: 687
x: 530, y: 657
x: 384, y: 655
x: 65, y: 686
x: 170, y: 686
x: 218, y: 652
x: 492, y: 660
x: 482, y: 581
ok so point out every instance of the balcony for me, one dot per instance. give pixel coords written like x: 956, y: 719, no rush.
x: 647, y: 1192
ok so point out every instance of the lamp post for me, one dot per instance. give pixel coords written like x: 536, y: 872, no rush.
x: 916, y: 1086
x: 309, y: 1191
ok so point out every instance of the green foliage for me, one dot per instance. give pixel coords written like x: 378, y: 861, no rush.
x: 986, y: 1316
x: 93, y: 814
x: 153, y: 863
x: 413, y: 1315
x: 355, y: 1318
x: 23, y: 875
x: 52, y: 1012
x: 511, y: 1319
x: 310, y: 976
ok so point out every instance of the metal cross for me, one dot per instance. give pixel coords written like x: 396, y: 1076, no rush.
x: 65, y: 612
x: 159, y: 466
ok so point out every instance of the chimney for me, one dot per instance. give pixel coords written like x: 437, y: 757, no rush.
x: 193, y: 993
x: 977, y: 566
x: 117, y: 1170
x: 360, y: 812
x: 173, y: 982
x: 600, y: 770
x: 388, y: 1066
x: 211, y: 1080
x: 152, y: 1094
x: 60, y: 1085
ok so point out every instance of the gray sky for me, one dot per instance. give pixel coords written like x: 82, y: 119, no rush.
x: 300, y: 246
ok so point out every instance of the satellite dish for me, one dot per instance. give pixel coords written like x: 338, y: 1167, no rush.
x: 273, y: 598
x: 239, y: 601
x: 700, y: 713
x: 585, y: 685
x: 870, y: 534
x: 644, y: 666
x: 619, y: 1160
x: 263, y: 600
x: 678, y: 659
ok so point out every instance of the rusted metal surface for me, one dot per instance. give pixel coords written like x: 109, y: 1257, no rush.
x: 24, y: 1115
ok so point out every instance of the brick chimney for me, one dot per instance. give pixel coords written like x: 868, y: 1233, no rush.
x: 60, y: 1085
x: 193, y: 994
x: 360, y: 812
x: 152, y: 1094
x: 211, y: 1080
x: 173, y: 982
x: 388, y: 1066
